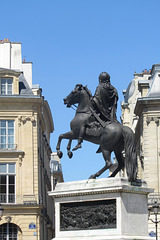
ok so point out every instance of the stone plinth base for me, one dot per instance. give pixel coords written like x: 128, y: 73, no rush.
x: 101, y: 209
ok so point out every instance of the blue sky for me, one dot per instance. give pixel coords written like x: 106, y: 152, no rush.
x: 73, y: 41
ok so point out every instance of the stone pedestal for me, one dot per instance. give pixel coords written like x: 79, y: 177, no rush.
x: 101, y: 209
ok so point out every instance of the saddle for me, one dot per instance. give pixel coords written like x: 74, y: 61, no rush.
x: 94, y: 128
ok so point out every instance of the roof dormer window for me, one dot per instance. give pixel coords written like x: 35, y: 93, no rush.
x: 6, y: 86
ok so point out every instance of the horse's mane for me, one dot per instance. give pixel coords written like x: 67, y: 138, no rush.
x: 88, y: 91
x: 85, y: 88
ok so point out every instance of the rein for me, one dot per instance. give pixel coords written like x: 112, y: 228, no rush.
x: 74, y: 106
x: 79, y: 111
x: 83, y: 112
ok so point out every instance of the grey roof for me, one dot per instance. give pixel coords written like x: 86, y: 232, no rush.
x: 130, y: 90
x: 155, y: 86
x: 24, y: 88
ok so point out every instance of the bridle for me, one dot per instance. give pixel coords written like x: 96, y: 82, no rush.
x: 80, y: 85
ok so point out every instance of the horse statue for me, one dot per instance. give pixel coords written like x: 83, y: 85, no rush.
x: 111, y: 137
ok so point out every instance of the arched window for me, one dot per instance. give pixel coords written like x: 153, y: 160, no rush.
x: 8, y: 231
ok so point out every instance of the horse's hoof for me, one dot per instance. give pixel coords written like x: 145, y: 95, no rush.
x: 92, y: 177
x: 110, y: 176
x: 60, y: 154
x: 70, y: 154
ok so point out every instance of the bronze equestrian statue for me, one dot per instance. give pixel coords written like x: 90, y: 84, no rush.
x: 95, y: 121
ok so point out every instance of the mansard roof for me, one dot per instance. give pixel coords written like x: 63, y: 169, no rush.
x: 130, y: 90
x: 24, y: 88
x: 149, y: 78
x: 154, y: 90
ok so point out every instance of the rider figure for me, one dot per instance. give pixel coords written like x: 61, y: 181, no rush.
x: 104, y: 104
x: 105, y: 99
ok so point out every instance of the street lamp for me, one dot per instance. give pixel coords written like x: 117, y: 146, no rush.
x: 154, y: 208
x: 1, y: 211
x: 56, y: 170
x: 55, y: 166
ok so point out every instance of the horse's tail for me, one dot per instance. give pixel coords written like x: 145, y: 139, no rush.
x: 130, y: 153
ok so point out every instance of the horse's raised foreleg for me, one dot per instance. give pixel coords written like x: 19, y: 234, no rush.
x: 107, y: 158
x: 80, y: 138
x: 68, y: 135
x: 69, y: 153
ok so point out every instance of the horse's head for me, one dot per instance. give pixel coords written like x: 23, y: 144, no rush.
x: 74, y: 96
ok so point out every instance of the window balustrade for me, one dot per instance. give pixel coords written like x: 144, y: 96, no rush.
x: 20, y: 199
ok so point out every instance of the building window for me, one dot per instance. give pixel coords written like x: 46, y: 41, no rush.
x: 7, y: 182
x: 7, y: 134
x: 6, y: 86
x: 8, y: 231
x: 55, y: 181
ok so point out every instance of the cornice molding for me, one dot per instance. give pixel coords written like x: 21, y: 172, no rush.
x: 145, y: 102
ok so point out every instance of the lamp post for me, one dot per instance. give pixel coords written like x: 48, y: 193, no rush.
x: 154, y: 208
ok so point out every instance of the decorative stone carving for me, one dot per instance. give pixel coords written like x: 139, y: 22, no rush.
x: 23, y: 119
x: 8, y: 219
x: 20, y: 160
x: 155, y: 119
x: 148, y: 120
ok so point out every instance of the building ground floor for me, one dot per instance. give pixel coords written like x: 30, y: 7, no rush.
x: 24, y: 222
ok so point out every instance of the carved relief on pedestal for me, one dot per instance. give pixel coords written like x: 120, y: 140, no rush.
x: 88, y: 215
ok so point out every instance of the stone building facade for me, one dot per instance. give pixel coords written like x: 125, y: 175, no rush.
x: 25, y: 127
x: 141, y: 112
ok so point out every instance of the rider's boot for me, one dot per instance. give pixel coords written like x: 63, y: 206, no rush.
x: 80, y: 140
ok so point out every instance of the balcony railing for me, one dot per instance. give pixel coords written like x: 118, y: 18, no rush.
x: 10, y: 146
x: 20, y: 199
x: 31, y: 199
x: 10, y: 235
x: 7, y: 198
x: 153, y: 197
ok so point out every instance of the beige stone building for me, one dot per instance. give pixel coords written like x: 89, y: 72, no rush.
x: 25, y: 127
x: 141, y: 112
